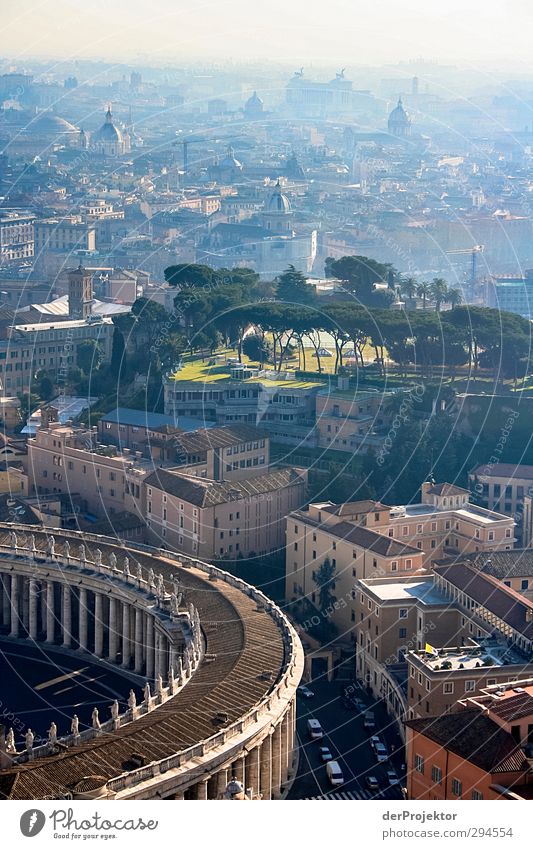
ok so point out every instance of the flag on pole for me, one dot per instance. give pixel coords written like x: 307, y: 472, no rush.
x: 430, y: 650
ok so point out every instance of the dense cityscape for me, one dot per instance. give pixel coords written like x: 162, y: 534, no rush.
x: 266, y: 460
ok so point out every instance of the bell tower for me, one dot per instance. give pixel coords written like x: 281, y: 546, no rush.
x: 80, y: 293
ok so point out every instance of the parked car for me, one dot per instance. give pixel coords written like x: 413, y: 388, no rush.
x: 372, y: 783
x: 374, y: 740
x: 381, y: 753
x: 334, y: 773
x: 305, y: 692
x: 325, y: 754
x: 392, y: 777
x: 369, y: 720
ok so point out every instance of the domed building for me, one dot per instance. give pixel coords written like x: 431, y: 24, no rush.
x: 109, y: 140
x: 277, y: 214
x: 35, y: 135
x: 253, y: 108
x: 399, y: 123
x: 228, y: 169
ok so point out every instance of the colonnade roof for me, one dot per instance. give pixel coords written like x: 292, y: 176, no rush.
x: 245, y: 655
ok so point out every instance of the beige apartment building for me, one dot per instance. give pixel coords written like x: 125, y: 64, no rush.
x: 436, y: 683
x: 64, y: 459
x: 221, y: 519
x: 368, y: 539
x: 445, y: 523
x: 348, y: 420
x: 398, y: 615
x: 345, y: 534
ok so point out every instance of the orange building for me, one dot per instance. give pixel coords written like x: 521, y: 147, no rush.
x: 483, y: 751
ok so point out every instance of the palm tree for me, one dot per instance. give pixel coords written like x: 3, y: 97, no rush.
x: 439, y: 291
x: 454, y: 297
x: 408, y: 287
x: 423, y: 290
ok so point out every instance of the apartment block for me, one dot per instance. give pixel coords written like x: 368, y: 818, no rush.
x: 347, y: 420
x: 398, y: 615
x: 63, y: 459
x: 231, y: 392
x: 16, y: 235
x: 343, y: 534
x: 221, y: 519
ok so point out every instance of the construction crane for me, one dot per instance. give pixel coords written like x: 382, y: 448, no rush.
x: 474, y: 251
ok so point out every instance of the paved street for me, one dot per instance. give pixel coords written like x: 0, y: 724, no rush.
x: 40, y: 685
x: 347, y: 740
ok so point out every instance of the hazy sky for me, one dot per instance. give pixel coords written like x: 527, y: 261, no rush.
x: 342, y: 32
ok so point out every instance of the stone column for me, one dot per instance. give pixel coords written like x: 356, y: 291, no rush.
x: 126, y: 647
x: 50, y: 622
x: 157, y: 654
x: 66, y: 616
x: 239, y: 771
x: 98, y: 625
x: 252, y: 771
x: 285, y: 748
x: 276, y: 762
x: 266, y: 767
x: 200, y: 789
x: 83, y: 620
x: 222, y: 782
x: 113, y: 630
x: 138, y: 640
x: 33, y: 600
x: 150, y: 647
x: 6, y: 601
x: 14, y: 632
x: 26, y: 604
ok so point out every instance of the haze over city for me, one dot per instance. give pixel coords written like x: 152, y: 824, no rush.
x: 491, y: 34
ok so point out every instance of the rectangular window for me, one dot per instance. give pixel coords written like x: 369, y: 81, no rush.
x: 457, y: 787
x: 419, y: 764
x: 470, y: 686
x: 436, y: 775
x: 403, y: 613
x: 448, y: 687
x: 476, y: 795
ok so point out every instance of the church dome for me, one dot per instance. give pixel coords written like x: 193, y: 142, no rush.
x: 108, y: 132
x: 50, y: 124
x: 254, y: 105
x: 230, y: 162
x: 278, y: 203
x: 399, y: 121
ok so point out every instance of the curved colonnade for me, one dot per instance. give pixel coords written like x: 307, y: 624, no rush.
x: 218, y: 664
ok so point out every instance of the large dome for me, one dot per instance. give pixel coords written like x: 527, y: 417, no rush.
x: 254, y: 105
x: 108, y: 132
x: 399, y: 121
x: 50, y: 124
x: 278, y: 203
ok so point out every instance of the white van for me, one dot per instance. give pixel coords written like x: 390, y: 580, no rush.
x: 334, y: 773
x: 315, y: 729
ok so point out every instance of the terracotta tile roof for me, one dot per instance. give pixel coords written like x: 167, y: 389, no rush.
x: 475, y: 737
x: 490, y: 593
x: 207, y: 493
x: 513, y: 707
